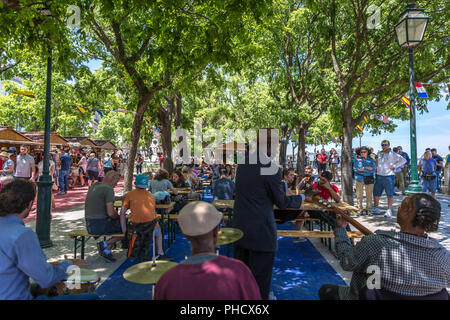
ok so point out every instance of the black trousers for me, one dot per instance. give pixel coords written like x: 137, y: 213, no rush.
x: 260, y: 264
x: 329, y: 292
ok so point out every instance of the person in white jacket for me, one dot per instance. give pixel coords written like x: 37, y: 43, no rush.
x: 387, y: 163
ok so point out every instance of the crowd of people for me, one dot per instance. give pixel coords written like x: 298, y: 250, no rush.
x: 400, y: 255
x: 67, y: 167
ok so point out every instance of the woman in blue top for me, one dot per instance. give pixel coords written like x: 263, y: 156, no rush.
x: 107, y: 163
x: 364, y: 168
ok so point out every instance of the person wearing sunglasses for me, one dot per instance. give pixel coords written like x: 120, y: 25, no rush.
x: 387, y: 163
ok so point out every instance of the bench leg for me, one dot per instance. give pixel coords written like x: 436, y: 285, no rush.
x: 82, y: 247
x: 75, y: 247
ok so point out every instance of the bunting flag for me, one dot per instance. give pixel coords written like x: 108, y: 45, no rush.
x: 359, y: 128
x: 100, y: 114
x: 80, y: 109
x: 332, y: 139
x: 421, y: 92
x: 322, y: 140
x: 24, y: 93
x: 365, y: 118
x: 384, y: 118
x: 406, y: 101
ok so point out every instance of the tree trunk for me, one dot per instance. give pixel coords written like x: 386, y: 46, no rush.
x: 164, y: 121
x: 301, y: 151
x: 346, y: 157
x: 135, y: 135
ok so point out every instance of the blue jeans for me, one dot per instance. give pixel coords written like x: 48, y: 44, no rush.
x: 429, y: 185
x: 438, y: 180
x: 138, y: 169
x: 64, y: 180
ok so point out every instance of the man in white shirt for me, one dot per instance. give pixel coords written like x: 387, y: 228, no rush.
x: 25, y: 166
x: 387, y: 163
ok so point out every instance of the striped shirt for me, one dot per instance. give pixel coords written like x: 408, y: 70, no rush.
x: 409, y: 265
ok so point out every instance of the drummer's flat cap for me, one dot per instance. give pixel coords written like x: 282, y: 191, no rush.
x: 198, y: 218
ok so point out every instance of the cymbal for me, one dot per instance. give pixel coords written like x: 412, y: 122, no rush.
x: 145, y: 273
x: 229, y: 235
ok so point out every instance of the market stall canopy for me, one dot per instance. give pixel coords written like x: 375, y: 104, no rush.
x: 10, y: 136
x: 104, y: 144
x: 81, y: 141
x: 233, y: 145
x: 38, y: 137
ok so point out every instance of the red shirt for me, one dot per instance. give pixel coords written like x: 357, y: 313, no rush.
x: 221, y: 278
x: 322, y: 158
x: 324, y: 193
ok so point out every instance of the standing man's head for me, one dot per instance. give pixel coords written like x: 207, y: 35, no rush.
x: 322, y: 151
x: 400, y: 149
x: 92, y: 155
x: 395, y: 149
x: 141, y: 181
x: 419, y: 211
x: 385, y: 145
x: 112, y: 178
x: 23, y: 149
x: 17, y: 198
x: 434, y: 152
x: 427, y: 155
x: 199, y: 222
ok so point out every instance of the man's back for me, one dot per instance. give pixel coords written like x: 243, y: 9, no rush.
x: 141, y: 204
x: 95, y: 205
x: 409, y: 265
x: 253, y: 207
x: 208, y: 278
x: 223, y: 189
x: 66, y: 162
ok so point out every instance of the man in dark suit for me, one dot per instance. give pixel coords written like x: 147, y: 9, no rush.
x: 256, y: 194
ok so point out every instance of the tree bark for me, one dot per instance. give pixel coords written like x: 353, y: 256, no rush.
x: 346, y: 163
x: 165, y: 122
x: 301, y: 151
x: 135, y: 135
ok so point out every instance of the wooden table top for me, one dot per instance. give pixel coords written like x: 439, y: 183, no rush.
x: 229, y: 204
x: 165, y: 206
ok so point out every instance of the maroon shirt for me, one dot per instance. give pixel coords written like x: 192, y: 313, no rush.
x: 221, y: 278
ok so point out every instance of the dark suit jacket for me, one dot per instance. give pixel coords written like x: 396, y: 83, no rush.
x: 253, y: 207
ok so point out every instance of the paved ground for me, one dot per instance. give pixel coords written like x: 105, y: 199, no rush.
x: 64, y: 222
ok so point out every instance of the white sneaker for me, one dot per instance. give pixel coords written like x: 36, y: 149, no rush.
x: 375, y: 211
x: 388, y: 213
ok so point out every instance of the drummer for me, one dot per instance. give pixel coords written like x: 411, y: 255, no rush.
x: 205, y: 275
x: 22, y: 257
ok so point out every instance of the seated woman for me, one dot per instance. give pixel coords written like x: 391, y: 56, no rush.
x: 161, y: 182
x: 179, y: 182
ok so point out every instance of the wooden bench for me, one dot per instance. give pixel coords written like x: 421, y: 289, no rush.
x: 81, y: 236
x: 314, y: 234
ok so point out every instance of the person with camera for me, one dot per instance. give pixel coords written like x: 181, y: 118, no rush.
x: 427, y: 167
x: 364, y: 168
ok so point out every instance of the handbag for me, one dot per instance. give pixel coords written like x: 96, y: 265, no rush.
x: 369, y: 180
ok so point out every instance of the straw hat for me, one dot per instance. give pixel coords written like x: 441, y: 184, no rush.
x: 198, y: 218
x: 4, y: 154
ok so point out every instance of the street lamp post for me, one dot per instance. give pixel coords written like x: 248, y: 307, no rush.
x: 45, y: 182
x: 409, y: 32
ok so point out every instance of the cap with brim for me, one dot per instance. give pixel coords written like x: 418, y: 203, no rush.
x: 198, y: 218
x: 385, y: 142
x: 141, y: 181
